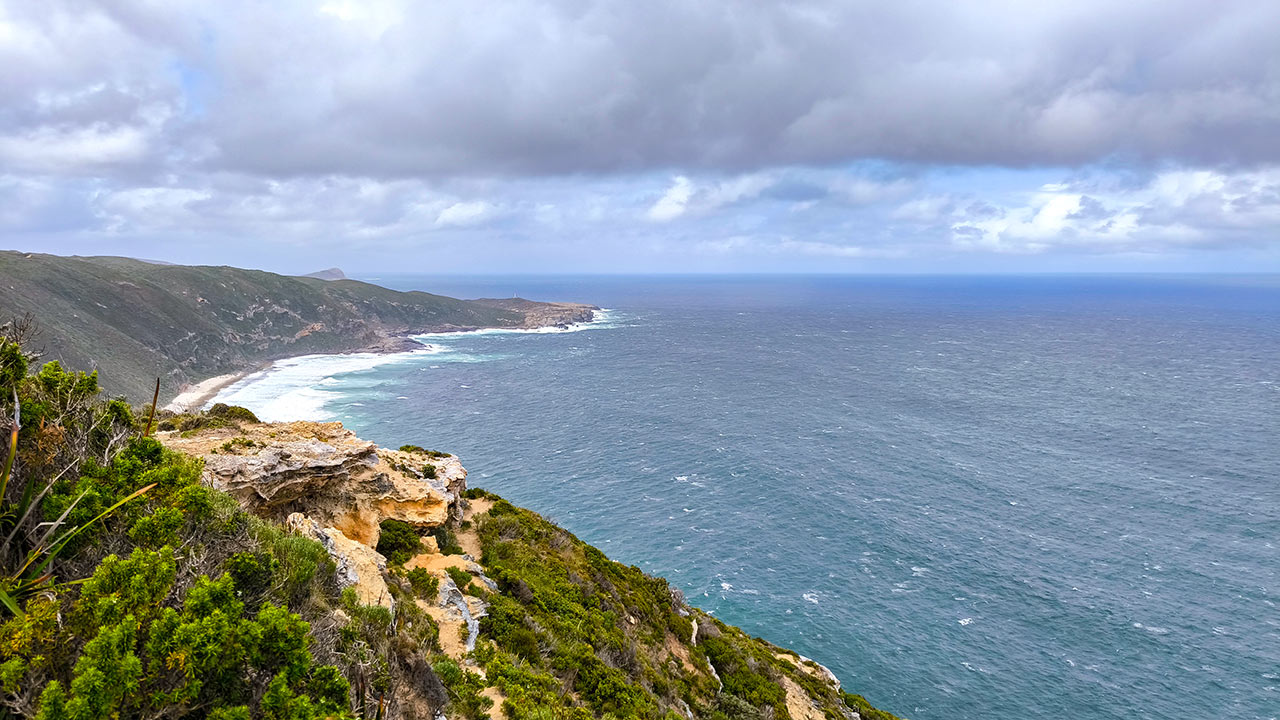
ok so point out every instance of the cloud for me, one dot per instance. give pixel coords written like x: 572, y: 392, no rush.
x: 822, y: 131
x: 1175, y: 209
x: 464, y: 214
x: 674, y: 202
x: 393, y: 88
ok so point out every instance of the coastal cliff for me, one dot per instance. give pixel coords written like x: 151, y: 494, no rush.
x: 534, y: 619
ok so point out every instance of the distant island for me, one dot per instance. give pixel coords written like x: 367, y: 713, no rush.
x: 330, y: 274
x: 137, y: 320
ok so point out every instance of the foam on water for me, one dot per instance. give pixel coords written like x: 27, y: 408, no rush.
x: 292, y: 389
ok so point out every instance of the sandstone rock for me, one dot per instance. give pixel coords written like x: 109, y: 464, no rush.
x: 324, y: 470
x: 322, y: 481
x: 359, y: 566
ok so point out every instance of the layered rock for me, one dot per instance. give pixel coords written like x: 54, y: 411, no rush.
x: 322, y: 481
x: 327, y: 473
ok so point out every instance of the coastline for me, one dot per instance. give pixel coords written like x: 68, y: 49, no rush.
x: 195, y: 396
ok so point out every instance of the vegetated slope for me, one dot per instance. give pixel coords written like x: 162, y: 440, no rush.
x: 136, y: 321
x: 170, y: 599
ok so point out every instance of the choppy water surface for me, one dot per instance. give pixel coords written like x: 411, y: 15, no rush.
x: 970, y: 498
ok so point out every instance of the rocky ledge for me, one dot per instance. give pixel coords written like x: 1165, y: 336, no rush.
x: 321, y: 480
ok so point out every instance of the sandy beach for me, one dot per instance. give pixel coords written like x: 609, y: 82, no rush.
x: 193, y: 397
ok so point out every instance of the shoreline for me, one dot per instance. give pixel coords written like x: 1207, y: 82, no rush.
x: 195, y: 396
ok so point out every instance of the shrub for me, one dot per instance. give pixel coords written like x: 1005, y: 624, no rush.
x: 460, y: 577
x: 426, y: 585
x: 252, y: 572
x: 231, y: 412
x: 398, y: 541
x: 435, y: 454
x: 446, y: 540
x: 464, y: 689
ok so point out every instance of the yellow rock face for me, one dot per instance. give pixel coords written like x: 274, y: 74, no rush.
x: 323, y: 481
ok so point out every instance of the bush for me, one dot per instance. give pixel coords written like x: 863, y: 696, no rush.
x: 426, y: 585
x: 464, y: 690
x: 460, y: 577
x: 231, y: 412
x: 446, y: 541
x: 434, y: 454
x: 398, y: 541
x: 253, y: 572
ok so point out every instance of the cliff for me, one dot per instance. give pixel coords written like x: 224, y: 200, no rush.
x: 542, y: 621
x: 136, y: 321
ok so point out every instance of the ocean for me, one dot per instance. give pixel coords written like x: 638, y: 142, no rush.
x: 970, y: 497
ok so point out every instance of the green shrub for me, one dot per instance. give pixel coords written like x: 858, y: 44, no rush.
x: 434, y: 454
x: 398, y: 541
x: 865, y: 709
x: 460, y: 577
x: 231, y: 412
x: 238, y: 443
x: 446, y: 541
x: 429, y: 471
x: 158, y: 529
x: 253, y: 572
x: 464, y: 690
x: 426, y: 585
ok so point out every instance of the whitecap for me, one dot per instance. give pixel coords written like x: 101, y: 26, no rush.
x: 965, y: 621
x: 811, y: 597
x: 290, y: 389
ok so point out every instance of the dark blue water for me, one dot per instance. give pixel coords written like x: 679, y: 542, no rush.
x: 970, y: 498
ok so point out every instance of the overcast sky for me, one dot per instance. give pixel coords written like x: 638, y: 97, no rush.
x: 573, y: 136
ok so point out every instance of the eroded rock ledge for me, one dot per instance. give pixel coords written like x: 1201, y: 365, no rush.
x: 322, y: 481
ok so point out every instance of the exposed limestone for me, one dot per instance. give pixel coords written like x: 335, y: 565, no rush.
x: 322, y: 481
x: 359, y: 566
x: 326, y: 472
x: 544, y: 314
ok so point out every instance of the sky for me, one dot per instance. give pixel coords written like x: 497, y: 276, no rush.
x: 551, y: 136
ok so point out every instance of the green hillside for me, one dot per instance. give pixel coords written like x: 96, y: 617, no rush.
x: 135, y: 321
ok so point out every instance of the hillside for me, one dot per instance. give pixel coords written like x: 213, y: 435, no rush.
x: 234, y: 569
x: 135, y: 321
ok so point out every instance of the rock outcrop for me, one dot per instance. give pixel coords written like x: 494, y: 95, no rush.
x: 544, y: 314
x: 327, y: 473
x: 322, y: 481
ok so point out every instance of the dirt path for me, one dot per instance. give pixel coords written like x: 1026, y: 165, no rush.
x: 452, y: 627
